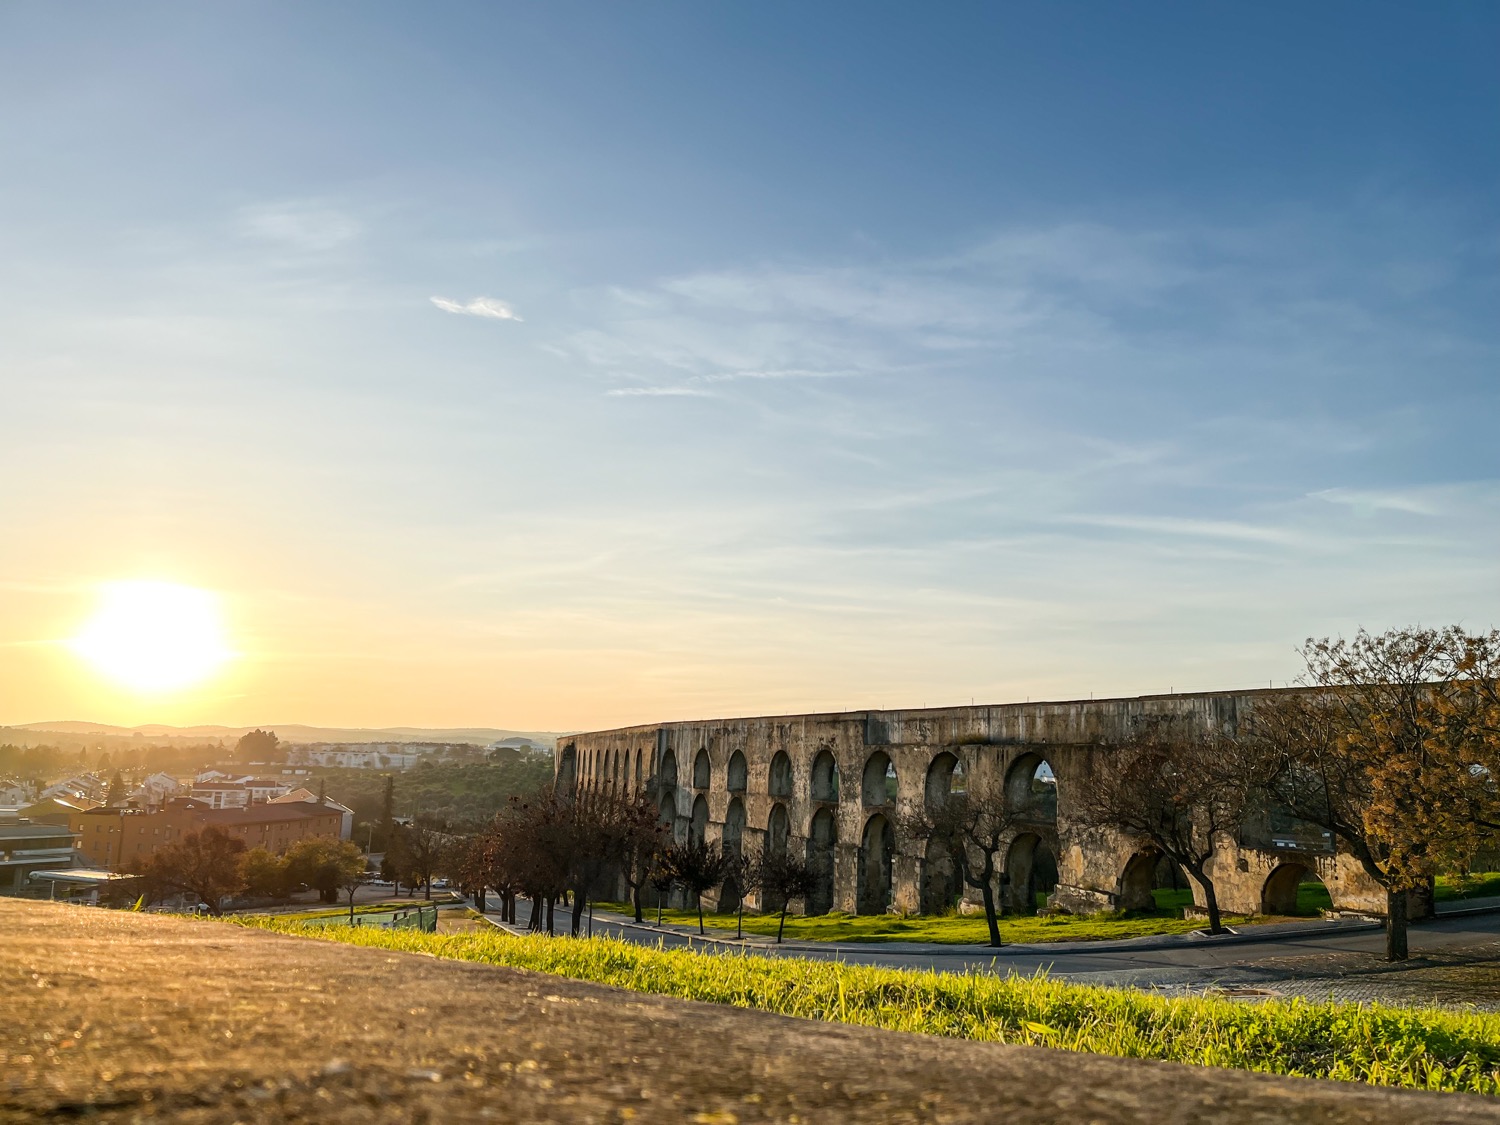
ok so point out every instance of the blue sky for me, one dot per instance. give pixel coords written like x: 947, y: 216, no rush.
x: 571, y: 365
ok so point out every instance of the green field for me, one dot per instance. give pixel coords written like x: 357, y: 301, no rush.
x: 1479, y: 885
x: 1426, y: 1049
x: 948, y: 929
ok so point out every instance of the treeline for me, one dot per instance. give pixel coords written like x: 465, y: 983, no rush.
x: 562, y: 847
x: 54, y: 763
x: 213, y: 866
x: 451, y: 792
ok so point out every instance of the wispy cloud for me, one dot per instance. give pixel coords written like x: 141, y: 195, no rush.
x: 669, y: 391
x: 303, y: 225
x: 489, y: 308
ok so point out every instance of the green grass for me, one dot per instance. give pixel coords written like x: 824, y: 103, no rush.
x: 1478, y: 885
x: 947, y: 929
x: 342, y: 911
x: 1426, y: 1049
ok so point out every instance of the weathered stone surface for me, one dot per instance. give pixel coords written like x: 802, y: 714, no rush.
x: 114, y: 1016
x: 762, y: 781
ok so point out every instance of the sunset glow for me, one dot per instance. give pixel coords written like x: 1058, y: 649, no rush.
x: 154, y: 637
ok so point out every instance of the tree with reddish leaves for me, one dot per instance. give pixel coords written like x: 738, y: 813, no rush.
x: 205, y: 863
x: 1394, y: 751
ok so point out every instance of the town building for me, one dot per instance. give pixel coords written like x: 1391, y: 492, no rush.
x: 358, y: 756
x: 114, y: 837
x: 26, y: 847
x: 155, y: 791
x: 308, y: 797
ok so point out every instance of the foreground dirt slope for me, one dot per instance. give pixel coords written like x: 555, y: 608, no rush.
x: 113, y: 1016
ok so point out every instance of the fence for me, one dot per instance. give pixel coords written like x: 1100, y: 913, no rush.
x: 422, y: 918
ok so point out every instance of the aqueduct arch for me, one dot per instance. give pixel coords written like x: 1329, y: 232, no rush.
x: 822, y: 842
x: 876, y: 865
x: 879, y: 783
x: 825, y: 777
x: 1284, y: 887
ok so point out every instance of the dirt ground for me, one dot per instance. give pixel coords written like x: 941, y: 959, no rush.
x: 115, y: 1016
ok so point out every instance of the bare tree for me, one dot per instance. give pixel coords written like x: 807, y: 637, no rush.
x: 1175, y: 788
x: 782, y: 877
x: 971, y: 828
x: 696, y: 867
x: 419, y: 846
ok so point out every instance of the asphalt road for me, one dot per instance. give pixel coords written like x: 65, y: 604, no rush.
x: 1142, y: 961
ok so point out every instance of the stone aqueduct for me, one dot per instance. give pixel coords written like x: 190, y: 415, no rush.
x: 828, y: 787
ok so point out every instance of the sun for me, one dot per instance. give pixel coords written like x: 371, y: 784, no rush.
x: 154, y: 637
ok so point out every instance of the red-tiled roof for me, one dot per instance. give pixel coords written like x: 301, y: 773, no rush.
x: 266, y: 814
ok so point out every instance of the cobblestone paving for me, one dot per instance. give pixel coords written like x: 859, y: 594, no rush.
x: 1463, y: 979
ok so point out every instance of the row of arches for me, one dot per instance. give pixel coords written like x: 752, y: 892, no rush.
x: 1030, y: 782
x: 1030, y: 865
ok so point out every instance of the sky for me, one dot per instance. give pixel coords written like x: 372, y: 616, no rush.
x: 573, y: 365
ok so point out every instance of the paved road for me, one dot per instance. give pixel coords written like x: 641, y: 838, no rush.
x: 1146, y: 962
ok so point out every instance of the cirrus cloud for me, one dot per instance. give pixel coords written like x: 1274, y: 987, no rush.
x: 489, y: 308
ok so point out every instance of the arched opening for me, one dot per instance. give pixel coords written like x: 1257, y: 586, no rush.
x: 729, y: 895
x: 820, y: 849
x: 698, y: 827
x: 639, y: 754
x: 779, y: 781
x: 734, y: 825
x: 667, y: 811
x: 877, y: 850
x: 1031, y: 788
x: 1294, y: 889
x: 567, y: 769
x: 1138, y: 882
x: 778, y: 834
x: 667, y: 777
x: 825, y: 777
x: 1031, y: 873
x: 614, y: 767
x: 778, y: 830
x: 942, y: 886
x: 738, y: 774
x: 702, y: 771
x: 945, y: 776
x: 878, y: 787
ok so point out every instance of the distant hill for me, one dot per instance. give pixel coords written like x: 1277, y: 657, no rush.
x: 287, y: 732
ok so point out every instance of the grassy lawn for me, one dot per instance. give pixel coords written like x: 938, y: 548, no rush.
x: 1479, y: 885
x: 948, y: 929
x: 342, y: 911
x: 1430, y: 1049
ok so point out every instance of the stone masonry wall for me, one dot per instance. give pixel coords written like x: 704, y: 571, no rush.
x: 775, y: 801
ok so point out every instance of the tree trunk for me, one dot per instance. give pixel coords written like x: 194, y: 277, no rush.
x: 739, y: 921
x: 700, y: 912
x: 635, y: 897
x: 551, y: 902
x: 1395, y: 926
x: 427, y: 888
x: 987, y: 891
x: 1211, y: 900
x: 782, y: 925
